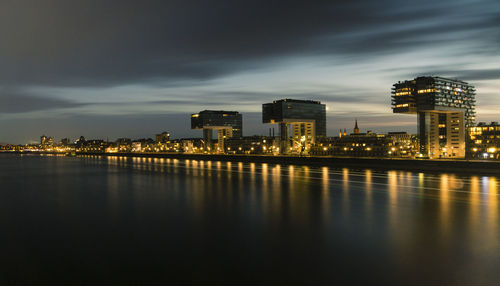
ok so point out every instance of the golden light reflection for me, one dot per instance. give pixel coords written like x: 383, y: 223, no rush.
x: 325, y: 196
x: 240, y: 173
x: 392, y: 177
x: 444, y: 199
x: 307, y: 177
x: 264, y: 175
x: 368, y: 194
x: 276, y: 176
x: 229, y: 170
x: 195, y: 168
x: 493, y: 224
x: 265, y: 193
x: 421, y: 183
x: 188, y: 164
x: 252, y: 171
x: 345, y: 192
x: 291, y: 175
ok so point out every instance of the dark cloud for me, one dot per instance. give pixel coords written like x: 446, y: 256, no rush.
x: 15, y: 101
x: 95, y: 42
x: 473, y: 74
x: 92, y: 45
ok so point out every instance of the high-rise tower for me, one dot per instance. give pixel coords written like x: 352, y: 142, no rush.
x: 227, y: 123
x: 307, y: 118
x: 445, y: 108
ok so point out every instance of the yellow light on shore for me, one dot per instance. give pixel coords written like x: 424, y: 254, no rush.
x: 492, y: 150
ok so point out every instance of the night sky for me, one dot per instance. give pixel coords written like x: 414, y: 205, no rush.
x: 135, y: 68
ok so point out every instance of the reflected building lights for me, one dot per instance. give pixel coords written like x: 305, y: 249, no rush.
x: 444, y: 198
x: 421, y: 184
x: 325, y: 196
x: 368, y: 194
x: 264, y: 174
x: 392, y: 177
x: 345, y: 191
x: 475, y: 204
x: 493, y: 224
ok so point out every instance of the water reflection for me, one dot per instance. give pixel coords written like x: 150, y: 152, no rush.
x: 286, y: 221
x: 416, y: 215
x: 277, y: 186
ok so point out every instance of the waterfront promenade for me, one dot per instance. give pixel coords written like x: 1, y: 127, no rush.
x: 414, y: 165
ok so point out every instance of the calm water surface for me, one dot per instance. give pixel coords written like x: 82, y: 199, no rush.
x: 145, y: 221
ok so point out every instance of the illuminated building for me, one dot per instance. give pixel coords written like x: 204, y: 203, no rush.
x: 445, y: 108
x: 403, y: 144
x: 123, y: 144
x: 250, y: 145
x: 306, y: 117
x: 143, y: 145
x: 92, y: 146
x: 65, y: 142
x: 354, y: 145
x: 369, y: 144
x: 229, y: 124
x: 484, y: 141
x: 356, y: 128
x: 191, y: 145
x: 163, y: 137
x: 46, y: 141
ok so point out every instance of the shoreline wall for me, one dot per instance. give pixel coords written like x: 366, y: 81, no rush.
x: 414, y: 165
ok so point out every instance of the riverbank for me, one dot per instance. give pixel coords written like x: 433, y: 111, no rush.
x: 383, y: 164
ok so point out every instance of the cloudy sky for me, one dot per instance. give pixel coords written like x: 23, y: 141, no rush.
x: 135, y: 68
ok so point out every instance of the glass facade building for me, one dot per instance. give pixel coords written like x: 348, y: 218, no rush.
x: 307, y: 118
x: 445, y: 108
x: 229, y: 124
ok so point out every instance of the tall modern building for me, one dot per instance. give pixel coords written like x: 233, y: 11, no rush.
x: 229, y: 124
x: 307, y: 118
x: 445, y: 108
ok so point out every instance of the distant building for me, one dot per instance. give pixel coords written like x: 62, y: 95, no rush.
x: 484, y: 141
x: 163, y: 137
x: 143, y: 145
x: 403, y: 144
x: 250, y: 145
x: 229, y: 124
x: 92, y: 146
x: 65, y: 142
x: 356, y: 128
x: 355, y: 145
x: 123, y: 145
x: 80, y: 142
x: 369, y: 144
x: 46, y: 141
x: 307, y: 118
x: 445, y: 108
x: 192, y: 145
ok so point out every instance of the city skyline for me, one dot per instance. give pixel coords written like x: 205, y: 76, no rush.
x: 138, y: 69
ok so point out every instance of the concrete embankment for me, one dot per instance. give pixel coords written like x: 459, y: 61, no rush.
x: 435, y: 166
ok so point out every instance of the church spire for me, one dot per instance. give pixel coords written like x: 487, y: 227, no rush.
x: 356, y: 129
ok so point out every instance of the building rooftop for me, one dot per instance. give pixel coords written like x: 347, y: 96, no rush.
x: 218, y: 112
x: 297, y: 101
